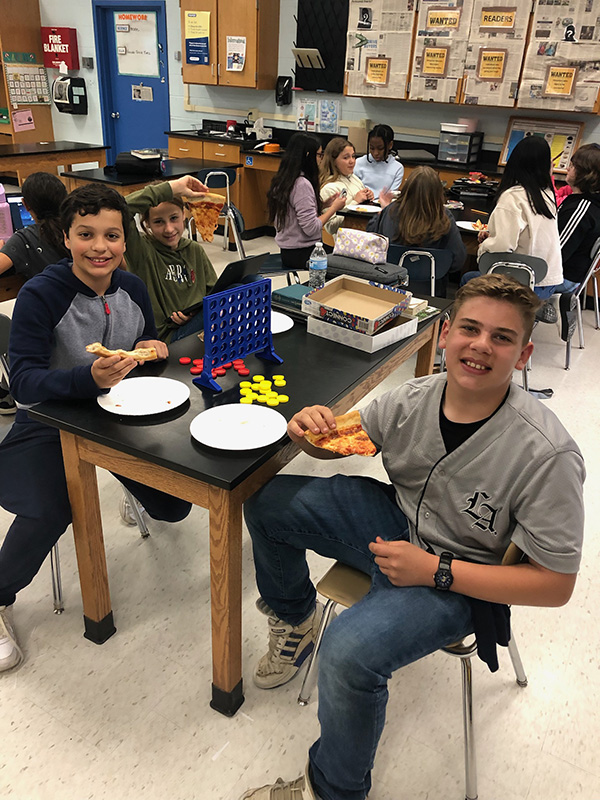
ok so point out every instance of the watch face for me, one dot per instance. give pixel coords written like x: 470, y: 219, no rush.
x: 443, y: 579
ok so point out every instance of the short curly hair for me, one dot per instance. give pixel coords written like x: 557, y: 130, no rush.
x: 91, y: 199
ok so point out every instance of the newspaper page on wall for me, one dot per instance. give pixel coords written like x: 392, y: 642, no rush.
x: 562, y: 64
x: 440, y: 50
x: 495, y: 52
x: 378, y: 47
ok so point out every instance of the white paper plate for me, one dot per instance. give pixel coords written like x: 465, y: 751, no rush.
x: 365, y: 208
x: 238, y: 427
x: 280, y: 322
x: 137, y: 397
x: 467, y: 226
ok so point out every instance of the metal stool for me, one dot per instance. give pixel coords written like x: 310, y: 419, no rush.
x: 345, y: 585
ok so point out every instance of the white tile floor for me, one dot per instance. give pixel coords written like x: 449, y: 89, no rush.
x: 130, y: 720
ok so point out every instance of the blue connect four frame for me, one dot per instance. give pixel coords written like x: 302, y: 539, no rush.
x: 237, y: 322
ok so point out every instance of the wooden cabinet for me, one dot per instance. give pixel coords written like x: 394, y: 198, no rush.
x: 256, y: 22
x: 20, y: 33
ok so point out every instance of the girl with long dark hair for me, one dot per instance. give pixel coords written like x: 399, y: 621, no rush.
x: 295, y: 207
x: 31, y: 249
x: 524, y: 215
x: 378, y: 169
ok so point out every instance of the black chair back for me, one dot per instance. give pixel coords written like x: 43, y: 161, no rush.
x: 538, y: 265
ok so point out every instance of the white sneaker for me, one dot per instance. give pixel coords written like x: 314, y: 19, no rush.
x: 126, y: 511
x: 289, y: 647
x: 11, y: 654
x: 300, y: 789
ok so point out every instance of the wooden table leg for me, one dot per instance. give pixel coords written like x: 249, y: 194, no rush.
x: 226, y: 600
x: 426, y: 355
x: 89, y: 542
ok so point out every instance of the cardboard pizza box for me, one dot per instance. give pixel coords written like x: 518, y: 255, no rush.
x: 356, y: 304
x: 399, y: 328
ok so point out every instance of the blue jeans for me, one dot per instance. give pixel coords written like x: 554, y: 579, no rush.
x: 193, y: 325
x: 566, y: 286
x: 389, y: 628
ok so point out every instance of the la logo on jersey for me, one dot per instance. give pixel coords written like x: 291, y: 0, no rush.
x: 483, y: 514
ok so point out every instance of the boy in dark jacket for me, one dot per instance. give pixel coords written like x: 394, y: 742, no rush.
x: 58, y: 313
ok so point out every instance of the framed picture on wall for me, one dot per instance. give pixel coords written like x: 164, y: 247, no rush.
x: 563, y: 138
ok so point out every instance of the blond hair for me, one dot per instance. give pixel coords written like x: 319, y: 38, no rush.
x: 419, y: 211
x: 328, y: 172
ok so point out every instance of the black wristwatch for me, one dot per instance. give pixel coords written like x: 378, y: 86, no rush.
x: 443, y: 578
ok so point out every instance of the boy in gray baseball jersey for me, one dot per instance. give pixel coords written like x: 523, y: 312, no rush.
x: 474, y: 463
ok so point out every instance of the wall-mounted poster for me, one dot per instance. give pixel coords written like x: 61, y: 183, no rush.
x: 491, y: 63
x: 435, y: 61
x: 378, y: 71
x: 197, y: 37
x: 497, y: 19
x: 560, y: 81
x: 563, y: 138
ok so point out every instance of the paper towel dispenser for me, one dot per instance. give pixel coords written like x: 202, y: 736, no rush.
x: 70, y: 95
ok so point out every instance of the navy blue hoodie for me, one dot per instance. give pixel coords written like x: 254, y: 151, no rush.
x: 56, y: 315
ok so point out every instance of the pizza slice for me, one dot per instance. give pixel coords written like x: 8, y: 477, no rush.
x: 141, y: 354
x: 206, y: 211
x: 349, y: 437
x: 479, y: 225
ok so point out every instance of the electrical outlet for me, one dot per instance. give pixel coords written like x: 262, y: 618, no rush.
x: 87, y: 63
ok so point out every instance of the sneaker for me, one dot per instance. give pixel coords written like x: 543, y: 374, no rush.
x: 547, y: 313
x: 300, y: 789
x: 7, y: 404
x: 289, y: 647
x: 11, y: 654
x: 126, y: 511
x: 568, y: 315
x: 264, y: 608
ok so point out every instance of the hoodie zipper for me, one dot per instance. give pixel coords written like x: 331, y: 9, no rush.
x: 106, y: 317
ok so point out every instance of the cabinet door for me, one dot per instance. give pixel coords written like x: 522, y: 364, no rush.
x: 237, y: 18
x: 196, y: 73
x: 216, y: 151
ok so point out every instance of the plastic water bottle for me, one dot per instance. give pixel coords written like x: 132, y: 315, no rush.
x: 317, y: 267
x: 6, y: 226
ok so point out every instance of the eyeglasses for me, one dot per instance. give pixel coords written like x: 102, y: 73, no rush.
x: 320, y: 154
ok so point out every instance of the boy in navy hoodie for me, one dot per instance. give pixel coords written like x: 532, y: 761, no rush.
x: 57, y: 314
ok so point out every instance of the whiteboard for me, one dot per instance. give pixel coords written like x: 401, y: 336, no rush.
x: 137, y: 43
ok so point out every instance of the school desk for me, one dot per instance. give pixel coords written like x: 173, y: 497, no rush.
x: 166, y: 457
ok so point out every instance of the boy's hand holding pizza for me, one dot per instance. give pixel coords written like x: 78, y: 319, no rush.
x: 321, y: 434
x: 111, y: 367
x: 189, y: 186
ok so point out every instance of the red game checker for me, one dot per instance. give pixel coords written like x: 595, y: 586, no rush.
x: 198, y: 362
x: 243, y: 371
x: 196, y: 370
x: 185, y: 360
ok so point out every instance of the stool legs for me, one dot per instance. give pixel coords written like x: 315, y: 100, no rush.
x: 57, y: 594
x: 513, y: 652
x: 308, y: 684
x: 469, y: 733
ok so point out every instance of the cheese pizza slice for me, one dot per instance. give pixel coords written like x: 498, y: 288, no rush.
x: 141, y: 354
x: 349, y: 437
x: 205, y: 212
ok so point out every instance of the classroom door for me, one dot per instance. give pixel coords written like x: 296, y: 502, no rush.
x: 131, y: 51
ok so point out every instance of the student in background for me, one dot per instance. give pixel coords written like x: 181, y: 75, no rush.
x: 579, y: 228
x: 295, y: 207
x: 418, y: 218
x: 378, y: 169
x: 32, y: 248
x: 175, y: 269
x: 56, y: 315
x: 336, y: 176
x: 524, y: 215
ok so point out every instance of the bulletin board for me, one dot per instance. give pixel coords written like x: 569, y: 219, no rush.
x: 378, y: 47
x: 562, y: 64
x: 440, y: 50
x: 563, y: 138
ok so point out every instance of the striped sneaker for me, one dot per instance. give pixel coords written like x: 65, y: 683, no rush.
x: 289, y: 647
x: 300, y: 789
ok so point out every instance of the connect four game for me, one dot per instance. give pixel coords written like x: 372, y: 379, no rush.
x: 237, y: 322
